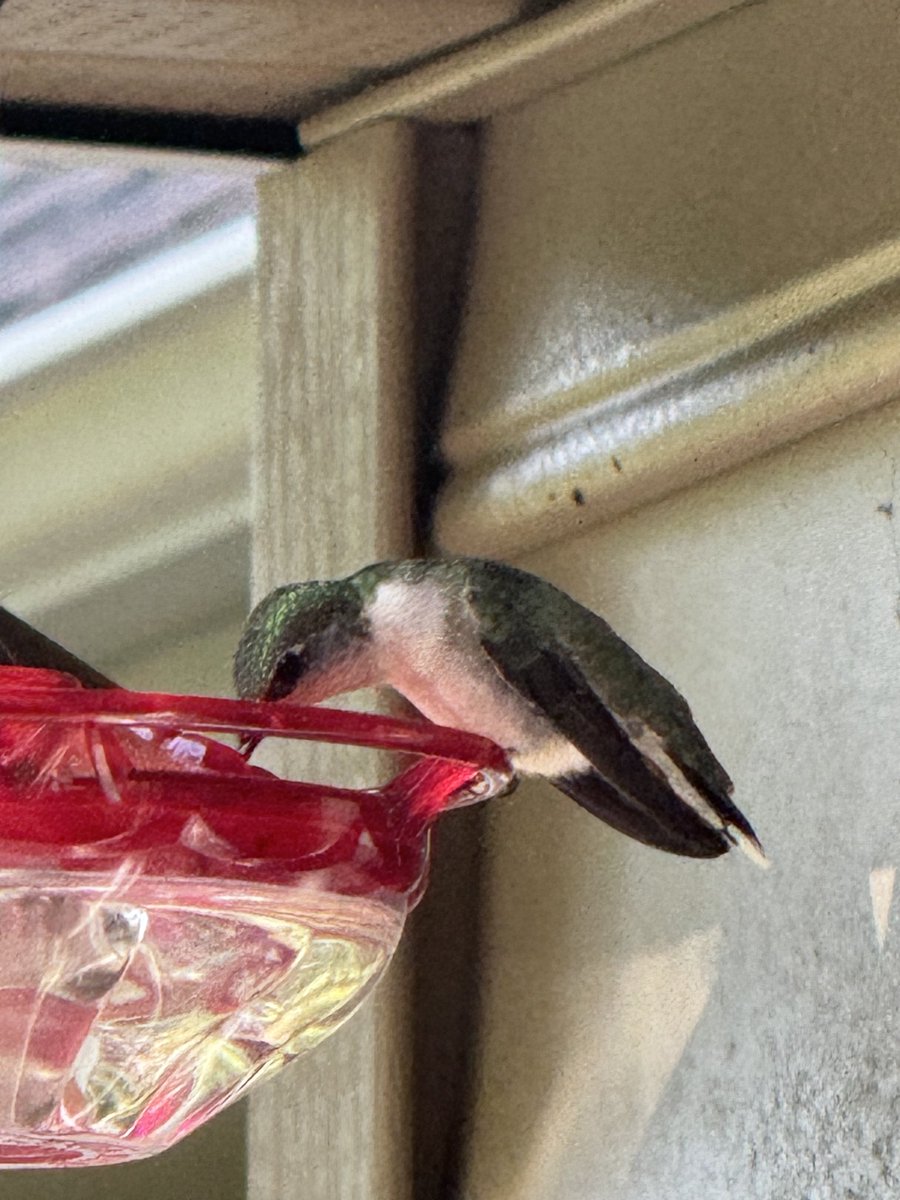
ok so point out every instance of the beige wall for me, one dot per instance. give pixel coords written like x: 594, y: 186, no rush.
x: 672, y: 274
x: 660, y: 1027
x: 681, y: 262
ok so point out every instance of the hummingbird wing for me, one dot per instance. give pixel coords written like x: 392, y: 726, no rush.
x: 653, y: 776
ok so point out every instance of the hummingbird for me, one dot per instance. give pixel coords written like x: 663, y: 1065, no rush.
x: 493, y: 650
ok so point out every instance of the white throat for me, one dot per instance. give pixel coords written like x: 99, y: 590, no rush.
x: 426, y: 645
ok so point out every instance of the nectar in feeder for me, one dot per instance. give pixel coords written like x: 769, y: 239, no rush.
x: 176, y: 923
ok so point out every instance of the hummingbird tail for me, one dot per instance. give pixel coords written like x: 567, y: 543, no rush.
x: 677, y: 830
x: 749, y: 844
x: 736, y: 827
x: 679, y: 827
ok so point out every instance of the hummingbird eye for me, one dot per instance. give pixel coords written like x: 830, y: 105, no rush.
x: 287, y: 675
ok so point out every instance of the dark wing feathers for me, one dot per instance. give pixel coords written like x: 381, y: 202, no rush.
x: 636, y: 821
x: 626, y: 791
x: 550, y: 666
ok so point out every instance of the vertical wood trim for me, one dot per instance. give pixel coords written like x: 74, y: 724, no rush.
x: 332, y: 492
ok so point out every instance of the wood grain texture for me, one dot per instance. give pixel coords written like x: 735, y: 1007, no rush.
x: 333, y: 491
x: 264, y: 58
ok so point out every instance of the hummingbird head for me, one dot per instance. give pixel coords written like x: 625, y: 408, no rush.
x: 305, y: 636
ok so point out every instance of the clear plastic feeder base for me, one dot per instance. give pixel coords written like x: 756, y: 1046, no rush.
x: 176, y: 923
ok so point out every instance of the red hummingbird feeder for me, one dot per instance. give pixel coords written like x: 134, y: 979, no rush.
x: 176, y: 922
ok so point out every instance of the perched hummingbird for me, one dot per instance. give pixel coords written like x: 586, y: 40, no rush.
x: 496, y: 651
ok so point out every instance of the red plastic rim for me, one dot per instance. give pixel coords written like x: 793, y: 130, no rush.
x: 89, y: 777
x: 36, y: 692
